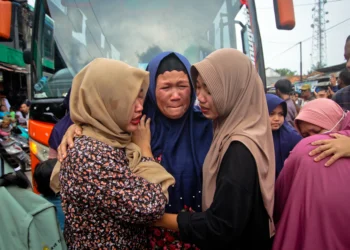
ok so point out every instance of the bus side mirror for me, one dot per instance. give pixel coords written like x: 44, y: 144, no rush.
x: 5, y: 19
x: 284, y: 13
x: 27, y: 56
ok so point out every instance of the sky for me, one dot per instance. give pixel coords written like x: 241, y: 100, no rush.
x: 276, y: 42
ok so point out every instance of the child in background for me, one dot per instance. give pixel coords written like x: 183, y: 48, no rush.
x: 3, y: 111
x: 41, y: 177
x: 285, y: 137
x: 13, y: 113
x: 5, y: 126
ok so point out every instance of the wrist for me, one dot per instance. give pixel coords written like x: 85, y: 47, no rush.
x: 146, y: 151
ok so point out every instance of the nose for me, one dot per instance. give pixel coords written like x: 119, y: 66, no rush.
x: 200, y: 97
x: 175, y: 95
x: 138, y: 107
x: 275, y: 117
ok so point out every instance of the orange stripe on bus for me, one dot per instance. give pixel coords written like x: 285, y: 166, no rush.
x: 40, y: 131
x: 5, y: 19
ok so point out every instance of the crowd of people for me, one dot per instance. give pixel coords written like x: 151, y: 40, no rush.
x: 140, y: 166
x: 11, y: 116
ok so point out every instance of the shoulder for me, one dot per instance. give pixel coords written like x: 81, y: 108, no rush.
x: 91, y: 147
x: 237, y: 154
x: 237, y: 146
x: 301, y: 151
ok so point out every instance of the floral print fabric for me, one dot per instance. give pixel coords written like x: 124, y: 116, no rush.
x: 106, y: 206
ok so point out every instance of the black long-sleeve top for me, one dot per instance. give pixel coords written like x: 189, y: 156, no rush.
x: 237, y: 218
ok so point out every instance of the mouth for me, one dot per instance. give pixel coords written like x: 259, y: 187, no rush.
x: 136, y: 120
x: 204, y: 110
x: 275, y: 125
x: 175, y: 107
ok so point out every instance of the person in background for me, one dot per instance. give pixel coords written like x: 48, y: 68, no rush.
x: 312, y: 201
x: 5, y: 126
x: 41, y: 178
x: 347, y: 52
x: 322, y: 92
x: 23, y: 113
x: 4, y: 101
x: 342, y: 97
x: 13, y: 113
x: 344, y: 78
x: 306, y: 93
x: 239, y: 169
x: 283, y: 90
x: 60, y: 129
x: 285, y: 137
x: 333, y: 88
x: 297, y: 100
x: 3, y: 111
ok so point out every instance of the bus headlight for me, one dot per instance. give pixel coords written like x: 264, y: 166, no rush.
x: 39, y: 150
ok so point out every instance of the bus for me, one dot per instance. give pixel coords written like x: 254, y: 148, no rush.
x: 132, y: 31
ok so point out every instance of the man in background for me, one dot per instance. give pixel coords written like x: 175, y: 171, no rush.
x: 23, y: 113
x: 306, y: 93
x: 283, y: 89
x: 344, y: 78
x: 342, y: 97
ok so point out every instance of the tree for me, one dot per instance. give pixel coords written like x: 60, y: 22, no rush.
x: 285, y: 72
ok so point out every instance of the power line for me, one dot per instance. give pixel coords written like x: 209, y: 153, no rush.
x: 299, y: 5
x: 266, y: 41
x: 308, y: 39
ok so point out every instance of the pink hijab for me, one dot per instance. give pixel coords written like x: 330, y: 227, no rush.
x: 324, y: 113
x: 312, y: 201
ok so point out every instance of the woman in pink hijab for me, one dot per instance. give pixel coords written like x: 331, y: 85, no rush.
x: 312, y: 202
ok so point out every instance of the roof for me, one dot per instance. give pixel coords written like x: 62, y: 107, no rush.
x: 13, y: 68
x: 332, y: 69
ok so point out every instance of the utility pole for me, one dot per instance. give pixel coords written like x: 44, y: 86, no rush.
x: 319, y: 38
x: 301, y: 62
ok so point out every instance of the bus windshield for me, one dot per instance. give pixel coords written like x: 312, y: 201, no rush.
x: 134, y: 31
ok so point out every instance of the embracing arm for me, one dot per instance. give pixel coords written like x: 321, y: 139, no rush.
x: 338, y: 147
x: 229, y: 213
x: 112, y: 188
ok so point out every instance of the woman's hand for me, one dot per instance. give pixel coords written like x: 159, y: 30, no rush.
x: 168, y: 221
x: 68, y: 140
x: 338, y: 147
x: 142, y: 137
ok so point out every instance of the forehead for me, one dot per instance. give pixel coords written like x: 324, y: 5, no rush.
x: 305, y: 126
x: 278, y: 108
x: 169, y: 76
